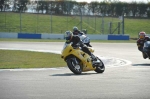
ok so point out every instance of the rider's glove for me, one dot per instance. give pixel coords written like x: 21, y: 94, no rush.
x: 76, y: 46
x: 81, y: 33
x: 138, y: 45
x: 84, y: 45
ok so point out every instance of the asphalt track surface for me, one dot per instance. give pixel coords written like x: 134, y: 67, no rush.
x: 128, y: 81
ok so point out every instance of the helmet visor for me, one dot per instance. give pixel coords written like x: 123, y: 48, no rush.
x: 142, y: 36
x: 68, y: 38
x: 68, y: 35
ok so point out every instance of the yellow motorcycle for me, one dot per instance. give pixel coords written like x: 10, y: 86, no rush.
x: 79, y: 61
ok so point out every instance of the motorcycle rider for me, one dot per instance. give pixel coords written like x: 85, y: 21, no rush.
x: 76, y: 42
x: 140, y: 42
x: 81, y: 35
x: 76, y: 31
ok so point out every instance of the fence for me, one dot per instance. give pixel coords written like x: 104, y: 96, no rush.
x: 54, y: 17
x: 48, y: 23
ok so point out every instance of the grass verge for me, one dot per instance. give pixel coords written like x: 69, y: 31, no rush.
x: 11, y: 59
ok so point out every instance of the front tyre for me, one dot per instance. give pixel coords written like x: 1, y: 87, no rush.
x: 100, y: 68
x: 75, y: 68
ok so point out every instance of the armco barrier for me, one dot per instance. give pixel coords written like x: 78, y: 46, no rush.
x: 61, y: 36
x: 29, y: 36
x: 118, y: 37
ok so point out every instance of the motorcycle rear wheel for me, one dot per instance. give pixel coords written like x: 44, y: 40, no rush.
x: 100, y: 68
x: 76, y: 69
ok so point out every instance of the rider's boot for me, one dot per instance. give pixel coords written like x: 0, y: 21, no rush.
x: 144, y: 55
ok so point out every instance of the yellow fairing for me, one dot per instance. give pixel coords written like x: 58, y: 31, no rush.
x: 84, y: 57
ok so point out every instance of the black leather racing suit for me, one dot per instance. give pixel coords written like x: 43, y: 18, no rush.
x: 140, y: 44
x: 77, y: 32
x: 76, y: 40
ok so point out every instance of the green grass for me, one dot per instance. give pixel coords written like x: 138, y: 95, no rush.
x: 10, y: 59
x: 134, y: 26
x: 40, y: 23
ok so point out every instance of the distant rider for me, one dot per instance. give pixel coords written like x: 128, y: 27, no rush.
x: 81, y: 35
x: 140, y: 42
x: 76, y: 42
x: 76, y: 31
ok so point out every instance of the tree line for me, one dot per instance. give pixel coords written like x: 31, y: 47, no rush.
x: 64, y: 7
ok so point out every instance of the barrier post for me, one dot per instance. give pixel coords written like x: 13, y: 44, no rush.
x: 118, y: 27
x: 110, y: 26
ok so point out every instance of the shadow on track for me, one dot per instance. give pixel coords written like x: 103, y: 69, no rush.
x: 140, y: 64
x: 71, y: 74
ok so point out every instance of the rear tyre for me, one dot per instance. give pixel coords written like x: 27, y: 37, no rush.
x: 100, y: 68
x: 75, y: 68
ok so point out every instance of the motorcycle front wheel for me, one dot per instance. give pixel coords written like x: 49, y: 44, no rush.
x: 75, y: 68
x: 100, y: 68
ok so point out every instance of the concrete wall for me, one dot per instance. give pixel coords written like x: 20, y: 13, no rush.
x: 8, y: 35
x: 61, y: 36
x: 97, y: 37
x: 52, y: 36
